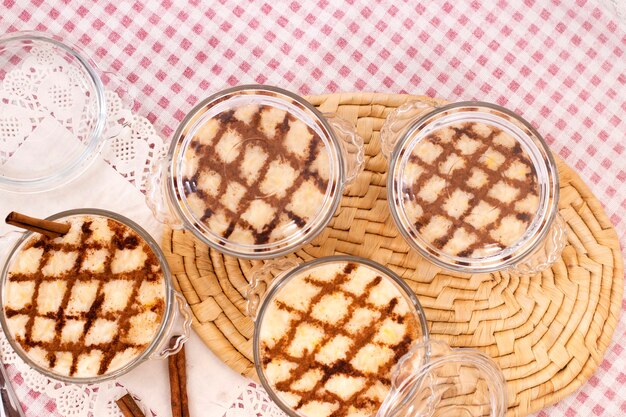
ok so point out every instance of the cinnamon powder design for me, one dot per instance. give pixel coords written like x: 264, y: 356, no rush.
x: 256, y: 174
x: 77, y: 306
x: 470, y: 189
x: 331, y: 336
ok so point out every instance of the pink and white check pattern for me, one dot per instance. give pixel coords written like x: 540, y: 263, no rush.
x: 33, y: 403
x: 559, y: 63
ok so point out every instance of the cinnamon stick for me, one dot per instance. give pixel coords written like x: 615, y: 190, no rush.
x: 175, y: 399
x: 129, y: 407
x: 182, y: 379
x: 45, y: 227
x: 123, y: 408
x: 178, y: 382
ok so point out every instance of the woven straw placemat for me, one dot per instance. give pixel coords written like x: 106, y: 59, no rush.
x: 547, y: 332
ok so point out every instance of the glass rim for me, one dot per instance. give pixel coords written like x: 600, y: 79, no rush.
x: 93, y: 144
x: 289, y: 243
x: 169, y: 299
x: 541, y: 222
x: 282, y: 279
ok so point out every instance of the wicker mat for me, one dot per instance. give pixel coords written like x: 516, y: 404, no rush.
x: 547, y: 332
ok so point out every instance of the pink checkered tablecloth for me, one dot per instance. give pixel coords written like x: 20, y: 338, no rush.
x: 560, y: 64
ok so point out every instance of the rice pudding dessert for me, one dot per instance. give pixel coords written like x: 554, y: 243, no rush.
x: 87, y: 303
x: 330, y: 336
x: 255, y: 174
x: 470, y: 189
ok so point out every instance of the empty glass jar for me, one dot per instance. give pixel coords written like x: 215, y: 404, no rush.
x: 53, y: 116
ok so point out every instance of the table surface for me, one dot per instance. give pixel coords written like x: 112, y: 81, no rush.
x: 560, y: 64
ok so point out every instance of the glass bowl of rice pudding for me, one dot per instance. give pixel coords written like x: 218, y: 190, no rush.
x: 343, y: 336
x: 328, y: 332
x: 92, y: 304
x: 255, y: 171
x: 473, y: 187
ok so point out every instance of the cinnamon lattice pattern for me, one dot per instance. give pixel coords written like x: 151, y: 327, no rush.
x: 471, y: 188
x: 253, y: 172
x: 362, y: 326
x: 87, y: 303
x: 547, y: 332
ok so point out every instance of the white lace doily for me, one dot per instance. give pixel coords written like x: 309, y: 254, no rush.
x: 254, y: 402
x: 131, y: 147
x: 134, y: 145
x: 44, y: 85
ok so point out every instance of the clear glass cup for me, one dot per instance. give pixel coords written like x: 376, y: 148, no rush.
x: 176, y: 322
x: 435, y: 380
x: 255, y: 171
x: 431, y: 379
x: 53, y: 116
x: 424, y: 140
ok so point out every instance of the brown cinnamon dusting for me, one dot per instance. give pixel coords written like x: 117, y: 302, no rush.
x: 124, y: 237
x: 86, y: 229
x: 275, y: 150
x: 349, y: 268
x: 459, y: 181
x: 342, y: 366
